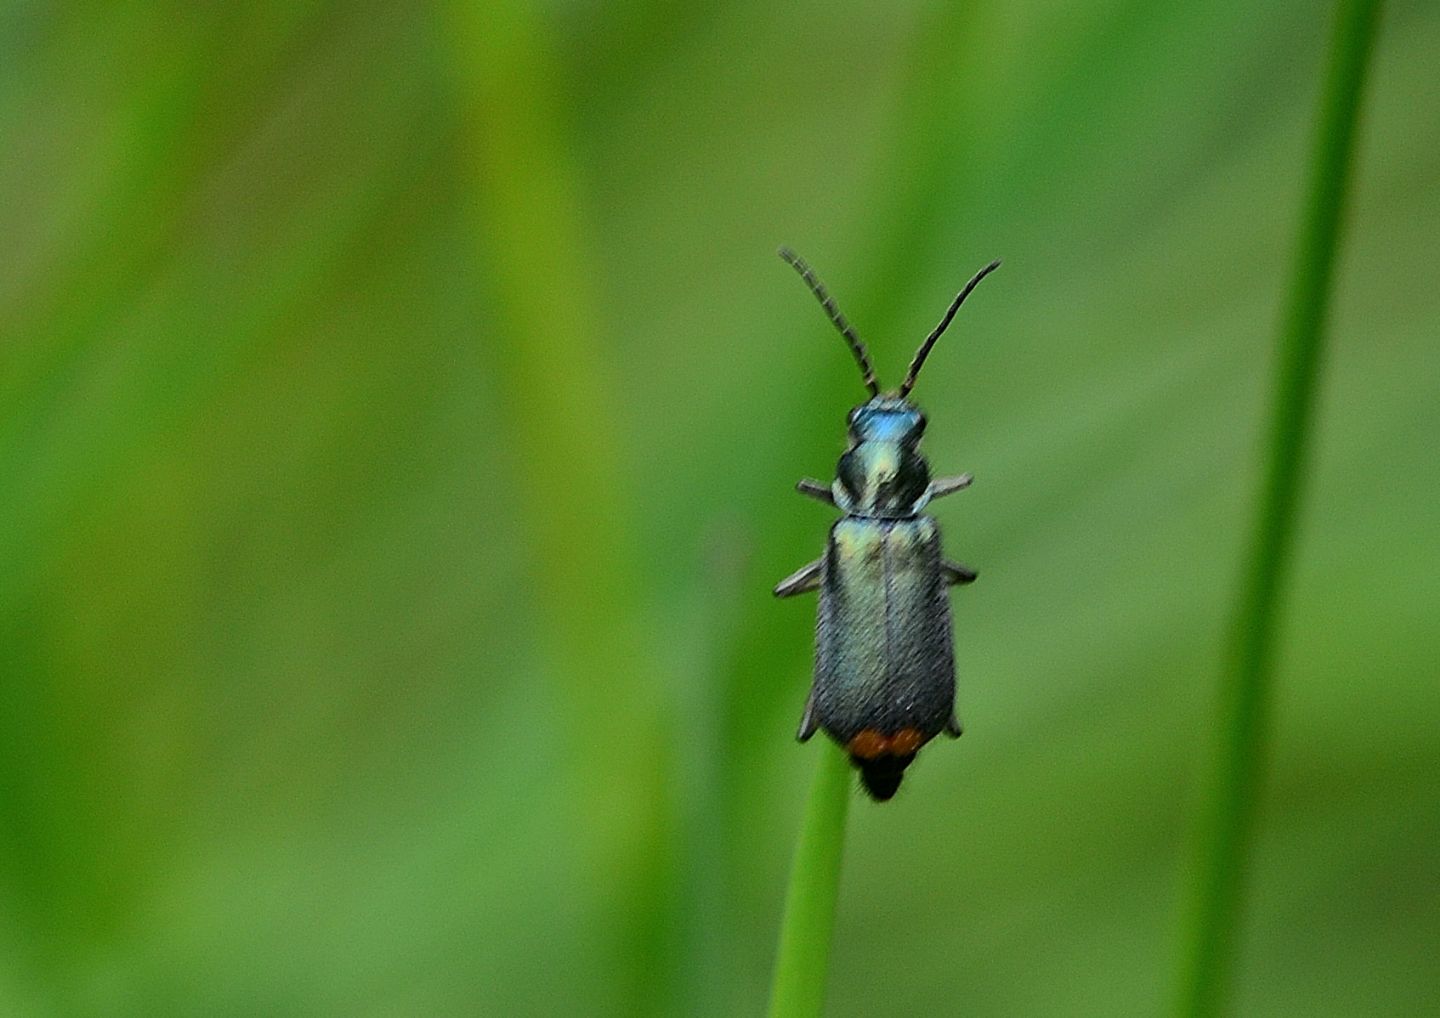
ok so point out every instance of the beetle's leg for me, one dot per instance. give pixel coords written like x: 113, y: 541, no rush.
x: 955, y: 573
x: 816, y: 490
x: 942, y: 486
x: 952, y: 727
x: 801, y: 581
x: 807, y: 720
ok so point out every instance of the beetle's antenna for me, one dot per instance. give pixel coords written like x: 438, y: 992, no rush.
x: 828, y: 303
x: 919, y: 360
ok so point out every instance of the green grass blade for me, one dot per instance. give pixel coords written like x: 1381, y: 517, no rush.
x: 1242, y: 723
x: 550, y: 348
x: 805, y: 932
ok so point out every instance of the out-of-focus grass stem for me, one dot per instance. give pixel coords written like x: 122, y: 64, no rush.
x: 549, y: 346
x: 1242, y: 723
x: 803, y: 959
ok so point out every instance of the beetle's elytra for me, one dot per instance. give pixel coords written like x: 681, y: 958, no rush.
x: 884, y: 654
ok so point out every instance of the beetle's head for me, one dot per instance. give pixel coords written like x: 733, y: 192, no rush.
x: 882, y: 472
x: 886, y: 419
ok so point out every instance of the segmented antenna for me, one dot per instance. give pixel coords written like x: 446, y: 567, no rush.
x: 919, y: 360
x: 823, y: 296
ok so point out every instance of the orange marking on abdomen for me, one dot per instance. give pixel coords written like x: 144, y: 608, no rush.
x: 867, y: 744
x: 906, y: 741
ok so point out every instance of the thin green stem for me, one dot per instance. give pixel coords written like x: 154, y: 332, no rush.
x: 1242, y: 723
x: 798, y: 989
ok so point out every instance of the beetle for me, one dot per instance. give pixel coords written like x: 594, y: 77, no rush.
x: 884, y: 682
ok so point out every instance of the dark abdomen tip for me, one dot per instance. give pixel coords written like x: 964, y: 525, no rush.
x: 882, y: 775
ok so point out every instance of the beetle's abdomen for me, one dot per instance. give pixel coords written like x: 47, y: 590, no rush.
x: 884, y: 660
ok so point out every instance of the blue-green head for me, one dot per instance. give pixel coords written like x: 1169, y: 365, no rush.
x: 882, y: 472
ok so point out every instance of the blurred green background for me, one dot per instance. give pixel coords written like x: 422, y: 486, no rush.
x: 399, y: 406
